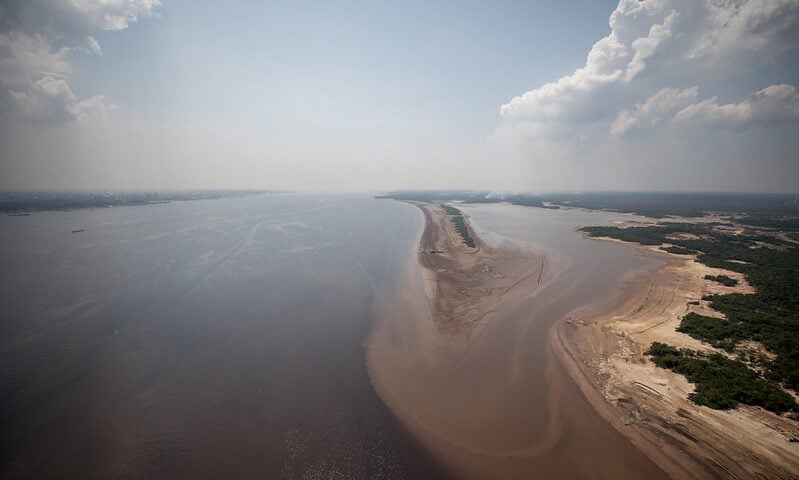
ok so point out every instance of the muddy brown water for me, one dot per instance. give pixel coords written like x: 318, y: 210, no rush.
x: 494, y: 403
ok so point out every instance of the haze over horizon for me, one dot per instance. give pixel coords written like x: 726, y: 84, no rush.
x: 665, y: 95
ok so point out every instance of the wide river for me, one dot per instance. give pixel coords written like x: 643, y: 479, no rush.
x: 228, y: 339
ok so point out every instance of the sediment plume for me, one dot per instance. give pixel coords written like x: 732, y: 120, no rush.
x: 460, y: 353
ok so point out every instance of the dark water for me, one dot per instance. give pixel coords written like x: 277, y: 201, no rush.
x: 205, y: 339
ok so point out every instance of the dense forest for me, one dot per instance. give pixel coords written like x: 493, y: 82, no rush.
x: 722, y: 279
x: 770, y: 221
x: 722, y: 383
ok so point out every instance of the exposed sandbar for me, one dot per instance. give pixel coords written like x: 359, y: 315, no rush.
x: 460, y: 353
x: 603, y: 351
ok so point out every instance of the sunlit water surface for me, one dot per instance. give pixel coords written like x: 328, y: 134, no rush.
x: 202, y: 339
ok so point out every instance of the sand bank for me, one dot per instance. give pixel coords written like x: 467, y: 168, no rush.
x: 460, y: 353
x: 603, y: 351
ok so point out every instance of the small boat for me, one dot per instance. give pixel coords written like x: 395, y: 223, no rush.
x: 77, y: 231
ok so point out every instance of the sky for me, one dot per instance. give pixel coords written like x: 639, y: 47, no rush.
x: 523, y: 96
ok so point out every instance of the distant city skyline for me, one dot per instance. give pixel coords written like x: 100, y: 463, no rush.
x: 665, y: 95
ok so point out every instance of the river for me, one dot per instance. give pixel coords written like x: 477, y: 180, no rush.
x: 201, y: 339
x: 230, y: 338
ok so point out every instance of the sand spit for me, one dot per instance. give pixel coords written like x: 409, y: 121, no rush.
x: 603, y: 351
x: 460, y: 353
x: 465, y: 286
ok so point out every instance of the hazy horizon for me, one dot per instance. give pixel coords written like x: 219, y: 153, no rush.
x: 376, y: 192
x: 617, y: 96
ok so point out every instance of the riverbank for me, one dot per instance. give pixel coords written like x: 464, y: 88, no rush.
x: 603, y: 352
x: 460, y: 354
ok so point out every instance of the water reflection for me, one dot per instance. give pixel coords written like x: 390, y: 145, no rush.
x: 212, y: 339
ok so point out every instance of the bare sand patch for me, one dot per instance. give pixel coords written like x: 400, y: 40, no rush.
x: 603, y: 351
x: 466, y: 286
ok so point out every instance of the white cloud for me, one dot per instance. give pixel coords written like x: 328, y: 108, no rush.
x: 648, y: 114
x: 37, y: 39
x: 774, y: 104
x: 51, y: 99
x: 646, y: 46
x: 24, y: 56
x: 660, y: 50
x: 93, y: 45
x: 114, y: 14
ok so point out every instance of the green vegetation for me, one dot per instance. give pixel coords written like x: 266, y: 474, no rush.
x: 719, y: 332
x: 651, y: 235
x: 460, y: 224
x: 679, y: 250
x: 449, y: 210
x: 722, y: 279
x: 722, y: 383
x: 770, y: 316
x: 790, y: 224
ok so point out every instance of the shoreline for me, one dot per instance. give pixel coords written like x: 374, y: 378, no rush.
x: 602, y: 350
x: 486, y: 396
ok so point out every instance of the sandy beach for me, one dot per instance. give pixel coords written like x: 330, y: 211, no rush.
x: 460, y: 353
x: 603, y: 351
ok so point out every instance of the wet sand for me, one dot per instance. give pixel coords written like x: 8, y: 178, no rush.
x: 603, y: 350
x: 460, y: 353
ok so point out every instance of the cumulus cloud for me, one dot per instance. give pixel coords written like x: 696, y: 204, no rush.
x: 93, y: 45
x: 777, y: 104
x: 650, y: 64
x: 115, y: 14
x: 774, y: 104
x: 38, y: 37
x: 52, y: 99
x: 649, y: 113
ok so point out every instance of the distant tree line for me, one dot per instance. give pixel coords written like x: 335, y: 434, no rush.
x: 17, y: 202
x: 767, y: 210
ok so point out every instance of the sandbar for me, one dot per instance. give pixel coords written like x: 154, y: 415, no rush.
x: 461, y: 354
